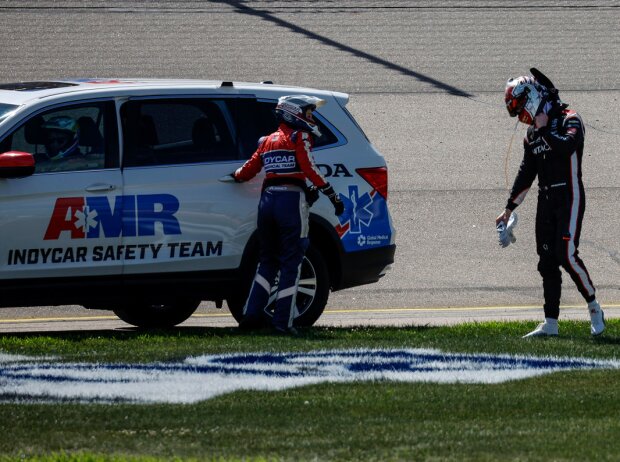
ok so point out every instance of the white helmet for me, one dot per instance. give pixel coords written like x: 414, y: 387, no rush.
x: 525, y: 98
x: 62, y: 135
x: 292, y: 110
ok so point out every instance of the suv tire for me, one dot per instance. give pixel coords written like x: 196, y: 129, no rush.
x: 312, y: 293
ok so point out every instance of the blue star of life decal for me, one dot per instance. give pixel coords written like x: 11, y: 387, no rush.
x: 365, y: 222
x: 357, y: 211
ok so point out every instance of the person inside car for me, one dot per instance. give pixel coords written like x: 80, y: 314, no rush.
x: 61, y: 137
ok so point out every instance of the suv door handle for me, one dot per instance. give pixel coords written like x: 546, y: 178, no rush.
x: 98, y: 187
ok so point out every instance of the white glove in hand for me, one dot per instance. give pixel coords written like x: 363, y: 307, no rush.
x: 505, y: 232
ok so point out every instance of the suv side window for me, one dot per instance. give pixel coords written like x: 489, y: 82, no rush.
x: 178, y: 131
x: 257, y: 118
x: 70, y: 138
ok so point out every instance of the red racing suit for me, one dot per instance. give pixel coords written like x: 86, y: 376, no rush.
x: 285, y: 155
x: 554, y: 154
x: 282, y: 221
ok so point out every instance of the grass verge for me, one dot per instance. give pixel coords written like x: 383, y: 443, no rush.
x: 562, y: 416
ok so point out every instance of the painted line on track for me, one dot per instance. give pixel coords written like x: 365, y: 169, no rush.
x: 326, y: 312
x: 58, y: 319
x: 461, y: 308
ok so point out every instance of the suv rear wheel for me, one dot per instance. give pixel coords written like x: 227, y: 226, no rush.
x: 312, y: 293
x: 143, y: 314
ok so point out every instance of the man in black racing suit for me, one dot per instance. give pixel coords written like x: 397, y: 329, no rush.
x: 553, y: 151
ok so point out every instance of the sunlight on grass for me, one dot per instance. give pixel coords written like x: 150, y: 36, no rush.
x: 561, y: 416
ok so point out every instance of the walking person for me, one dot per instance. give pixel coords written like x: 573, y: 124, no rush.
x: 284, y: 208
x: 553, y: 152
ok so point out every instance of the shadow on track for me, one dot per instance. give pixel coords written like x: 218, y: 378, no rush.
x: 242, y: 8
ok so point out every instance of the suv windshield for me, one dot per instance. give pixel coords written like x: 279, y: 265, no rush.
x: 5, y: 110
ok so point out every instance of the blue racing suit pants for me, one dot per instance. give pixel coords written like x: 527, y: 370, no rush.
x: 283, y: 238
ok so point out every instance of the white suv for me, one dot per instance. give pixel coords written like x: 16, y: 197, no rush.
x: 135, y: 220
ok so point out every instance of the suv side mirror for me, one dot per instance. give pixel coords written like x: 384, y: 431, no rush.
x: 16, y: 164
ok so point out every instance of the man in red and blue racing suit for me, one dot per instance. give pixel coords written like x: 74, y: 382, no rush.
x: 284, y: 208
x: 553, y: 150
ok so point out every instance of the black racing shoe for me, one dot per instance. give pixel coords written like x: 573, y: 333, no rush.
x: 251, y: 323
x: 290, y: 331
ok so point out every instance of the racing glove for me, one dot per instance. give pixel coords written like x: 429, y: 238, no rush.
x: 505, y: 231
x: 312, y: 195
x: 334, y: 198
x: 229, y: 178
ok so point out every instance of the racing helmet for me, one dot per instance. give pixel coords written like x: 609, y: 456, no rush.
x: 293, y: 111
x: 61, y: 137
x: 525, y: 98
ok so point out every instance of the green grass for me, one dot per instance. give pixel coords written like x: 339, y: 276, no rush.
x: 561, y: 416
x: 175, y: 344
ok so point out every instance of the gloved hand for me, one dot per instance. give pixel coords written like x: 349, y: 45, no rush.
x: 312, y: 195
x: 505, y: 231
x: 229, y: 178
x: 333, y: 198
x: 338, y: 205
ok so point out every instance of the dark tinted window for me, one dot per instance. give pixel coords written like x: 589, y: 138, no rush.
x: 254, y: 120
x: 192, y: 130
x: 175, y: 131
x: 70, y: 138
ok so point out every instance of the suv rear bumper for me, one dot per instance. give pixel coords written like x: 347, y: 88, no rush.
x: 365, y: 266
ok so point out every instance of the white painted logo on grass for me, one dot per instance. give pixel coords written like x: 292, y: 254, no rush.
x: 203, y: 377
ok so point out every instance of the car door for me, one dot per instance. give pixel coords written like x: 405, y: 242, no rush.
x: 63, y: 220
x: 176, y: 150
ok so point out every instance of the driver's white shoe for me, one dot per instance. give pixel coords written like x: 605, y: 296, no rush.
x: 597, y: 318
x: 549, y: 328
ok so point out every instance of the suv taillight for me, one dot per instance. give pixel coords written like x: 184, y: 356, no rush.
x: 377, y: 177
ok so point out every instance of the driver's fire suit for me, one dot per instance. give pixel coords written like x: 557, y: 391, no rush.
x: 554, y: 154
x: 282, y: 219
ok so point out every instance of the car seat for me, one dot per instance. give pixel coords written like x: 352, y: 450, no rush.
x: 203, y: 137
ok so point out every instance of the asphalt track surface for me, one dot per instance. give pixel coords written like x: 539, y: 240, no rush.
x: 426, y: 81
